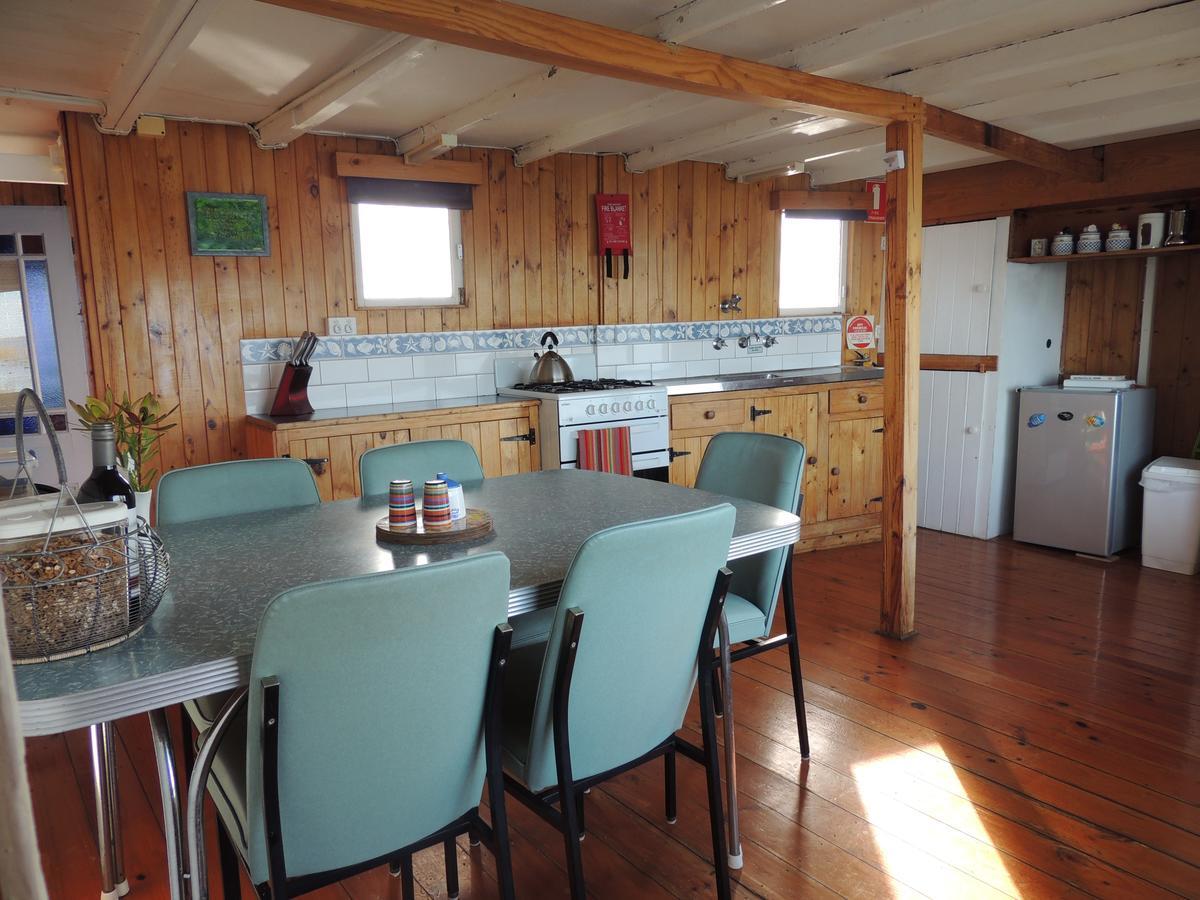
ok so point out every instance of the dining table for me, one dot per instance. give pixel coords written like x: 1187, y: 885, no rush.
x: 224, y: 571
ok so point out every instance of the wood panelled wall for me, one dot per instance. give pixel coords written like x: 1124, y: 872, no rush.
x: 1174, y: 345
x: 1102, y: 318
x: 13, y: 193
x: 161, y: 319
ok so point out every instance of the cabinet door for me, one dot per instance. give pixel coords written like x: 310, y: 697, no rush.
x: 797, y: 416
x: 503, y: 445
x: 855, y: 471
x: 335, y: 459
x: 688, y: 453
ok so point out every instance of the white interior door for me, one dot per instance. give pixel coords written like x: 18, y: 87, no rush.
x: 42, y: 343
x: 957, y: 409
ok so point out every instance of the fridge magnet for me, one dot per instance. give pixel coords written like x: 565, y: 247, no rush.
x: 228, y: 224
x: 1037, y: 419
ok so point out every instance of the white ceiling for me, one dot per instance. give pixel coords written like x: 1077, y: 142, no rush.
x: 1074, y: 72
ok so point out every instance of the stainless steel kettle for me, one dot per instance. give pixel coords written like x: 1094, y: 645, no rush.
x: 550, y: 368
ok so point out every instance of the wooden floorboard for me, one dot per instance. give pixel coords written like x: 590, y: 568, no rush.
x: 1040, y: 737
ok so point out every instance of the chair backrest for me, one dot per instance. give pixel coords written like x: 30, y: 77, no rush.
x: 765, y: 468
x: 644, y: 590
x: 419, y: 461
x: 382, y: 680
x: 231, y: 488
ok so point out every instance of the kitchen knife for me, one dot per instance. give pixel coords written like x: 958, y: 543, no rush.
x: 310, y: 346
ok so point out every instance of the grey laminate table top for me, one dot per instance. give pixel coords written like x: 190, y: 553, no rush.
x: 224, y: 572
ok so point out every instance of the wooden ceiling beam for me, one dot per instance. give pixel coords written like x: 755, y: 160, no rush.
x: 855, y: 201
x: 172, y: 27
x: 960, y: 129
x: 518, y: 31
x: 369, y: 165
x: 349, y: 84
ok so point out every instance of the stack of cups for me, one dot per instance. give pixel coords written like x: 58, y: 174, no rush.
x: 436, y: 510
x: 402, y: 504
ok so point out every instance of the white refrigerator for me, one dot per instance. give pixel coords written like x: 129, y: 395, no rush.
x: 1079, y: 456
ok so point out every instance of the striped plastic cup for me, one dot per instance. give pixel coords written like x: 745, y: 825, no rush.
x: 436, y: 508
x: 402, y: 504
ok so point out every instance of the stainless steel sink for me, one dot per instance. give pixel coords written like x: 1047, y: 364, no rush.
x: 748, y: 380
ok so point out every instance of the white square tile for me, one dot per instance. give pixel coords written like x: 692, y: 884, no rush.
x: 811, y: 343
x: 606, y: 371
x: 766, y: 363
x: 613, y: 355
x: 485, y: 385
x: 684, y: 351
x: 258, y: 378
x: 708, y: 351
x: 796, y: 361
x: 432, y: 365
x: 474, y: 363
x: 833, y: 341
x: 412, y: 389
x: 258, y: 402
x: 327, y: 396
x: 368, y: 393
x: 343, y: 371
x: 830, y: 358
x: 315, y: 377
x: 390, y: 368
x: 454, y: 386
x: 635, y: 373
x: 703, y: 367
x: 668, y: 370
x: 734, y: 366
x: 649, y: 353
x: 783, y: 346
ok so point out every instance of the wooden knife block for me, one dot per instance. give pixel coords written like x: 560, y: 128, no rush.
x: 291, y: 399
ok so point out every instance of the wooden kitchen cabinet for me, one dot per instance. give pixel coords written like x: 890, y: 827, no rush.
x: 841, y: 430
x: 500, y: 433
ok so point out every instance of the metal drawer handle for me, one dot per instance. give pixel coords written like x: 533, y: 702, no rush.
x: 755, y: 412
x: 862, y: 398
x: 710, y: 414
x: 835, y: 471
x: 812, y: 460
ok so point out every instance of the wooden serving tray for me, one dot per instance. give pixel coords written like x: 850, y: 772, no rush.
x: 477, y: 524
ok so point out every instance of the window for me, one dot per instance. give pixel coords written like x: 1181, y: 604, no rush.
x: 407, y: 255
x: 28, y: 346
x: 812, y: 266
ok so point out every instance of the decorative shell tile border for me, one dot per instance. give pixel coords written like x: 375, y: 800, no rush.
x: 364, y: 346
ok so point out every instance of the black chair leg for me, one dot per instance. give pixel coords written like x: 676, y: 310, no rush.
x: 789, y: 615
x: 407, y: 890
x: 718, y: 694
x: 569, y: 802
x: 712, y: 772
x: 669, y: 773
x: 231, y: 878
x: 451, y: 849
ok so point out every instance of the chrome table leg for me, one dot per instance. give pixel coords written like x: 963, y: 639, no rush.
x: 735, y: 832
x: 168, y: 786
x: 104, y: 780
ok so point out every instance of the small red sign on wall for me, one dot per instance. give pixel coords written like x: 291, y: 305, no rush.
x: 612, y: 226
x: 877, y: 188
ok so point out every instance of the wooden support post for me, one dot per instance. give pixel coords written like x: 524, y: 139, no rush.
x: 897, y: 609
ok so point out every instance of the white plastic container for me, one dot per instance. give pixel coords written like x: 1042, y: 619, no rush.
x: 1171, y: 515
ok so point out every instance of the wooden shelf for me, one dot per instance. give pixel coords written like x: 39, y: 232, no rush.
x: 1111, y: 254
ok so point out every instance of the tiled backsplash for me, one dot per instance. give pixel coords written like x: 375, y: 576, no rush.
x: 370, y: 369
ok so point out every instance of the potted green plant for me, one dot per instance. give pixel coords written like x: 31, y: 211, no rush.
x: 139, y: 425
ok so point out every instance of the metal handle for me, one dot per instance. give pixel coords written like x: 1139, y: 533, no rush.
x: 710, y: 414
x: 552, y: 336
x: 812, y: 460
x: 878, y: 430
x: 530, y: 436
x: 755, y: 412
x: 862, y: 398
x: 835, y: 471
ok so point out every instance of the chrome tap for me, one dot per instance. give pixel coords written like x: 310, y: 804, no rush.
x: 719, y: 344
x: 770, y: 341
x: 733, y: 304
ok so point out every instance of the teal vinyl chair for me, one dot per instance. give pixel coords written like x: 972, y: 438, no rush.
x: 592, y: 702
x: 419, y: 461
x: 769, y: 469
x: 233, y: 488
x: 371, y: 726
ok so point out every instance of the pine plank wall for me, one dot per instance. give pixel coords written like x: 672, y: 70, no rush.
x: 160, y: 319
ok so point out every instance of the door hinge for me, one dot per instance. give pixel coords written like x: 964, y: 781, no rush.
x: 755, y: 412
x: 876, y: 500
x: 878, y: 430
x: 530, y: 436
x: 674, y: 454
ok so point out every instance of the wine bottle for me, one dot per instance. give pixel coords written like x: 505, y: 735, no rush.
x: 106, y: 483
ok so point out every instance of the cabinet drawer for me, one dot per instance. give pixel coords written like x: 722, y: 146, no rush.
x: 711, y: 414
x: 856, y: 399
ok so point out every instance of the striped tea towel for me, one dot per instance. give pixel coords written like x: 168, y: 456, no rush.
x: 606, y: 450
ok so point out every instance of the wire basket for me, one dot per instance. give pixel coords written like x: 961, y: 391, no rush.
x: 74, y: 590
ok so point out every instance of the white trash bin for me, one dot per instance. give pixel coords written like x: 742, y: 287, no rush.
x: 1171, y: 515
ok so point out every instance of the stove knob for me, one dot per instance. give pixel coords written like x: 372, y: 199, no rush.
x: 628, y: 406
x: 650, y: 403
x: 602, y: 408
x: 591, y: 409
x: 639, y: 406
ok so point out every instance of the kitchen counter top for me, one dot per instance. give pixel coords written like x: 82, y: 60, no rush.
x: 758, y: 381
x: 385, y: 410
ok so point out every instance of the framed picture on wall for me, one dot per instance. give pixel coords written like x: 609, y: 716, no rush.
x: 228, y: 224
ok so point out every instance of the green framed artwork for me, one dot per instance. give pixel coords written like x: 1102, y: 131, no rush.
x: 228, y: 224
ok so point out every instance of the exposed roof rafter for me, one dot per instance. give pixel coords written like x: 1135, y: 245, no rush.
x: 172, y: 27
x: 758, y: 125
x: 386, y: 59
x: 691, y: 20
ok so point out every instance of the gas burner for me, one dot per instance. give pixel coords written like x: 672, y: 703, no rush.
x: 586, y: 384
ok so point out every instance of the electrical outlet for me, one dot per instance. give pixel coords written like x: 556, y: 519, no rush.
x: 341, y: 325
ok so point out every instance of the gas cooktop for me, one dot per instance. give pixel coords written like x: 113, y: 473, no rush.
x: 582, y: 385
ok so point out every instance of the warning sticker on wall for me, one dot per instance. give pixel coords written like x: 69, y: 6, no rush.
x: 860, y: 332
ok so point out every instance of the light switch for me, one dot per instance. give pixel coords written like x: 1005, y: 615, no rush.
x: 341, y: 325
